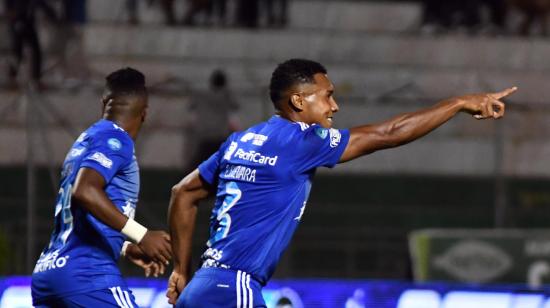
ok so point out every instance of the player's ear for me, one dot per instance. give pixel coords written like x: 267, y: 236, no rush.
x: 104, y: 101
x: 297, y: 101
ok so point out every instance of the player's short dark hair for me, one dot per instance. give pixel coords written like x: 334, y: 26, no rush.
x: 125, y: 81
x: 290, y: 73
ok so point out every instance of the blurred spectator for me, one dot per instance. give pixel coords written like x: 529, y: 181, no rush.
x: 217, y: 12
x: 247, y: 13
x: 534, y: 11
x: 432, y: 12
x: 276, y: 11
x: 132, y: 8
x: 214, y: 118
x: 22, y: 28
x: 497, y: 14
x: 463, y: 15
x: 69, y: 41
x: 168, y: 10
x: 195, y: 7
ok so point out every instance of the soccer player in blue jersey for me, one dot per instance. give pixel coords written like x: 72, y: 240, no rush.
x: 262, y: 177
x: 95, y: 210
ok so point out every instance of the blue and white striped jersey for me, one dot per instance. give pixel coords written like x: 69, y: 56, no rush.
x: 83, y: 252
x: 263, y: 177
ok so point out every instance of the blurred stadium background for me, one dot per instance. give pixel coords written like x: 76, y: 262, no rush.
x: 482, y: 188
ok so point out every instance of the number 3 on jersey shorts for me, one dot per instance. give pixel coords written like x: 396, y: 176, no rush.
x: 120, y: 297
x: 223, y: 288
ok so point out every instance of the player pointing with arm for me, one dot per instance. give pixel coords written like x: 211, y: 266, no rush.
x: 262, y: 177
x: 95, y: 210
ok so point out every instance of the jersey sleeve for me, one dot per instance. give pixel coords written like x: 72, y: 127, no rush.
x: 321, y: 147
x: 209, y: 169
x: 108, y: 152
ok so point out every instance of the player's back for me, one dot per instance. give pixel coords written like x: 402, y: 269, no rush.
x: 264, y: 179
x: 82, y: 252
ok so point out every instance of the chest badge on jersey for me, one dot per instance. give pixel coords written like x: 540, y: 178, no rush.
x: 321, y: 132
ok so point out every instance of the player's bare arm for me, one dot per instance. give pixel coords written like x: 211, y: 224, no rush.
x: 407, y: 127
x: 88, y: 193
x: 182, y: 213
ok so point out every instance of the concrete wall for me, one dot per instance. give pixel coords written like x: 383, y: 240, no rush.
x: 380, y: 68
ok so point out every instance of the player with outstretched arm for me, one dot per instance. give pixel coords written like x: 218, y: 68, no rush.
x: 262, y: 177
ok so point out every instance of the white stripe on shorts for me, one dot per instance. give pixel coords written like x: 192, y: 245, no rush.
x: 250, y: 297
x: 245, y: 298
x: 244, y: 292
x: 121, y: 296
x: 115, y: 296
x: 238, y: 288
x: 128, y: 300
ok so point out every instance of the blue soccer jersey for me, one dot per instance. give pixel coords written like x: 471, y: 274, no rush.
x: 83, y: 252
x: 263, y: 178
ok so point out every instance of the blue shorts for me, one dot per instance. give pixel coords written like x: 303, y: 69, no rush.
x: 112, y: 297
x: 224, y: 288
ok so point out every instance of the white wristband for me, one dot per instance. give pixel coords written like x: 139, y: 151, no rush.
x: 124, y: 248
x: 134, y: 231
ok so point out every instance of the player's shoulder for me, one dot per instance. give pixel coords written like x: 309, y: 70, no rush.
x: 315, y: 136
x: 110, y: 135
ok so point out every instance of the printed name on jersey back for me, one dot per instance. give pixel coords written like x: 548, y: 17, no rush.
x: 257, y: 139
x: 237, y: 172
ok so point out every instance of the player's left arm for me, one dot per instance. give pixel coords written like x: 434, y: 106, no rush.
x: 182, y: 212
x: 408, y: 127
x: 88, y: 192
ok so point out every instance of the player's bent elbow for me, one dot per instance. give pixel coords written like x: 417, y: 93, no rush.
x: 179, y: 190
x: 176, y: 190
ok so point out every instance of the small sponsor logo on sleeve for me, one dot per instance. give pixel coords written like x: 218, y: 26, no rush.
x: 321, y: 132
x: 230, y: 150
x: 102, y: 160
x: 335, y: 137
x: 114, y: 144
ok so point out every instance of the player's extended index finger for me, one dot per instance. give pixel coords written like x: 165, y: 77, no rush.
x: 504, y: 93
